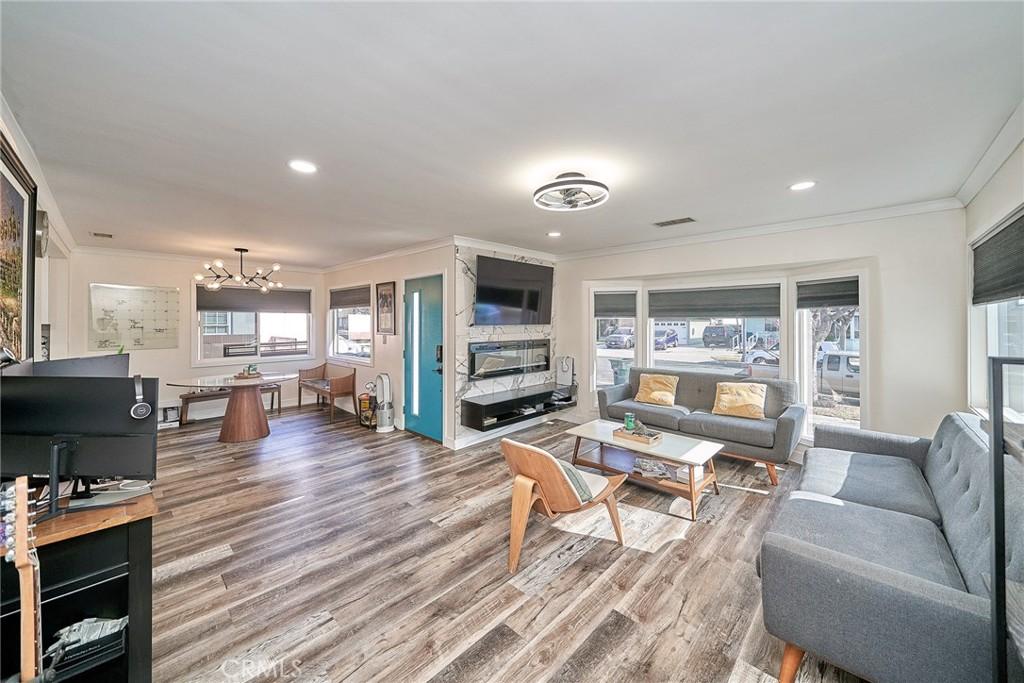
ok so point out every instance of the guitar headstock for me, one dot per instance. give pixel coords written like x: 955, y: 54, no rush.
x: 16, y: 534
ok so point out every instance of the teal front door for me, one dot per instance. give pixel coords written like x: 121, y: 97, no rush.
x: 424, y: 354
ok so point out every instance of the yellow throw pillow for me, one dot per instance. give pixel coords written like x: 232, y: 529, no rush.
x: 659, y: 390
x: 740, y: 399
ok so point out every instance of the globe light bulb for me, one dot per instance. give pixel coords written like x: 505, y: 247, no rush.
x: 199, y: 277
x: 264, y: 289
x: 276, y: 267
x: 280, y: 284
x: 206, y: 265
x: 218, y: 263
x: 213, y: 286
x: 259, y: 271
x: 238, y: 278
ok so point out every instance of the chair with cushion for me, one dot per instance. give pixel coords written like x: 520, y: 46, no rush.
x: 552, y: 487
x: 328, y: 388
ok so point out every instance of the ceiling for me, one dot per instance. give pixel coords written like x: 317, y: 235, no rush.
x: 170, y: 125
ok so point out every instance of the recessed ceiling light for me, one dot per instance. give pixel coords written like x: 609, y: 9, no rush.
x: 302, y: 166
x: 802, y: 185
x: 554, y: 234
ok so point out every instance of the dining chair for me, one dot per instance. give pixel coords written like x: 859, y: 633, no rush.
x: 552, y: 487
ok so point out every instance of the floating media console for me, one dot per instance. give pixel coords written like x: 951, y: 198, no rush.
x: 493, y: 411
x: 500, y: 358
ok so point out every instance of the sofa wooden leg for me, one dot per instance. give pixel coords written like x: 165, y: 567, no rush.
x: 773, y: 476
x: 791, y: 658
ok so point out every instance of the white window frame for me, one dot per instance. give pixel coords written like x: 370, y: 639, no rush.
x: 197, y: 346
x: 977, y: 322
x: 346, y: 360
x: 862, y: 273
x: 590, y: 289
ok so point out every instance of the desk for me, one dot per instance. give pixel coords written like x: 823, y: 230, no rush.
x: 245, y: 418
x: 97, y: 563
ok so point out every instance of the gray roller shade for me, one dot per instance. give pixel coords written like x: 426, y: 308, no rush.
x: 353, y: 297
x: 614, y: 304
x: 724, y: 302
x: 238, y: 299
x: 999, y: 265
x: 825, y: 293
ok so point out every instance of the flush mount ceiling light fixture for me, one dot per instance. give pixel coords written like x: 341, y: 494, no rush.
x: 570, y: 192
x: 218, y: 275
x: 802, y: 185
x: 302, y: 166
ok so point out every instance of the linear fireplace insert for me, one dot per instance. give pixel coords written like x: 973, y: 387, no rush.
x: 500, y: 358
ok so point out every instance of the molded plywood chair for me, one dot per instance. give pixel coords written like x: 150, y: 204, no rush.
x: 552, y: 487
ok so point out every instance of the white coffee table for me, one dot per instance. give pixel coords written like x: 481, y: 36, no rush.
x: 617, y: 455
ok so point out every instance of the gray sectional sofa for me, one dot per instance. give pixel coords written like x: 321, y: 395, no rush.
x: 879, y: 562
x: 771, y: 440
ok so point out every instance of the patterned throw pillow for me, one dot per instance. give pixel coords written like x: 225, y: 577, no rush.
x: 577, y: 481
x: 740, y: 399
x: 659, y: 390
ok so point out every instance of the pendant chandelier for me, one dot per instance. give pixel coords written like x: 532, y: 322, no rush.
x: 218, y: 275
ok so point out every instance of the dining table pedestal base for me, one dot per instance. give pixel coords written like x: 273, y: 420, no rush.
x: 245, y: 418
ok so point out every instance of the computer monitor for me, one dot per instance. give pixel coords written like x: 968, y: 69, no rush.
x: 112, y: 365
x: 91, y: 416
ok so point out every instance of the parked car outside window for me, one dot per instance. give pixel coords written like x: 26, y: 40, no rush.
x: 623, y: 338
x: 664, y: 339
x: 720, y: 335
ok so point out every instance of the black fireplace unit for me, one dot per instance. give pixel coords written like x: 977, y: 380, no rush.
x: 500, y: 358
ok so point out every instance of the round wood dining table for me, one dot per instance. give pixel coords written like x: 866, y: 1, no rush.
x: 245, y: 418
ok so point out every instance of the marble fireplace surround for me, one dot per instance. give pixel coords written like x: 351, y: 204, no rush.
x: 466, y: 332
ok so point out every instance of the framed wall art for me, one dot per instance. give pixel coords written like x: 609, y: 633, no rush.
x: 17, y: 252
x: 385, y: 308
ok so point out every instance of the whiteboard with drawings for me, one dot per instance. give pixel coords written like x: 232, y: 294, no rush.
x: 136, y: 318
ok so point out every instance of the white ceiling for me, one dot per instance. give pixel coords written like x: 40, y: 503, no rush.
x: 170, y: 125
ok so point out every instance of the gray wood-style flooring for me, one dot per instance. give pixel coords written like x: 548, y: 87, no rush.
x: 330, y: 553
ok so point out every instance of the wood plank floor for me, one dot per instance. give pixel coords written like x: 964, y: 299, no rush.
x: 330, y: 553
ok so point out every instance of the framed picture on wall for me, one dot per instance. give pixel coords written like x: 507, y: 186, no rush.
x: 17, y: 252
x: 385, y: 308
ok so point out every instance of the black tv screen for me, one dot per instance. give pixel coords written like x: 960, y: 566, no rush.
x: 512, y: 292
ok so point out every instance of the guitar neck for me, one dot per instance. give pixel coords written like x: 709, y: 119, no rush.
x: 31, y: 628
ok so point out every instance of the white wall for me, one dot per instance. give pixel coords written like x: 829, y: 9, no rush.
x: 916, y: 336
x: 387, y: 350
x: 128, y: 268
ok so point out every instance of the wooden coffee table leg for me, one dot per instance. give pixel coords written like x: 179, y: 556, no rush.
x: 711, y: 466
x: 576, y: 449
x: 245, y: 418
x: 694, y: 494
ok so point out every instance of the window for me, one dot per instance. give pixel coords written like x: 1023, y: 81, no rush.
x: 351, y: 324
x: 614, y: 330
x: 997, y: 318
x: 828, y: 335
x: 236, y: 323
x: 730, y: 330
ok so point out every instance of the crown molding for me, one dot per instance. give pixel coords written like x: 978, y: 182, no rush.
x: 1003, y: 144
x: 474, y: 243
x: 417, y: 248
x: 864, y: 216
x: 132, y: 253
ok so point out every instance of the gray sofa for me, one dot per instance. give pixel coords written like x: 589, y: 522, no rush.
x: 879, y: 562
x: 770, y: 440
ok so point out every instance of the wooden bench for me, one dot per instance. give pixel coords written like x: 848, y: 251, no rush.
x: 199, y: 396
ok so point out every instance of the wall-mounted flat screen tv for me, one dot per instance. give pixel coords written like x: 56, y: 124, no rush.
x: 512, y: 292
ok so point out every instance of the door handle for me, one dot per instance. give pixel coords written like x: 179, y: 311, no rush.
x: 439, y: 371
